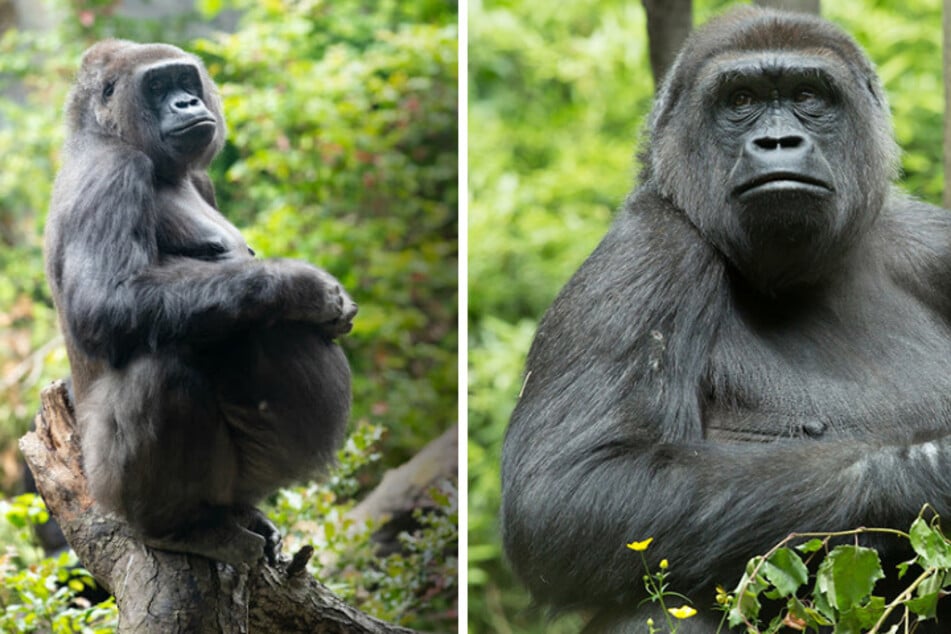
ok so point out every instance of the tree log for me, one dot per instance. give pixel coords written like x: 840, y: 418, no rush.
x: 161, y: 592
x: 668, y: 24
x: 407, y: 488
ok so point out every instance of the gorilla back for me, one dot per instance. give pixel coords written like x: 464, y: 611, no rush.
x: 759, y: 345
x: 204, y: 378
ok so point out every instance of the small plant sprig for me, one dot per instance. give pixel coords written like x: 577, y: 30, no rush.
x: 656, y: 585
x: 842, y: 594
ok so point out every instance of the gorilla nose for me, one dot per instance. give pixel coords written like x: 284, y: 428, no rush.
x: 780, y: 151
x: 184, y: 101
x: 770, y: 143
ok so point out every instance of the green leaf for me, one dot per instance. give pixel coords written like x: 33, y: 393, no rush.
x: 811, y: 546
x: 747, y: 602
x: 861, y: 617
x: 925, y: 602
x: 786, y: 571
x: 812, y: 617
x: 847, y: 575
x: 924, y: 606
x: 903, y: 568
x: 930, y: 545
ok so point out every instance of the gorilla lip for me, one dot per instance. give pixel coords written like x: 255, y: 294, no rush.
x: 776, y: 181
x: 188, y: 127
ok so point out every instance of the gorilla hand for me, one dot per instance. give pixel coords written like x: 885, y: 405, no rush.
x: 320, y: 298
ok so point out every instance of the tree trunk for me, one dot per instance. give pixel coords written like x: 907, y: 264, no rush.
x: 946, y: 59
x: 668, y: 25
x: 803, y: 6
x: 162, y: 592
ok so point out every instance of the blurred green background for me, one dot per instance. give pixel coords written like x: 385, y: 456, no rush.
x: 342, y: 151
x: 558, y: 93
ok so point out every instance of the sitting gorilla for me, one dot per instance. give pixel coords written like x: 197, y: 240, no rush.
x: 204, y: 379
x: 761, y: 343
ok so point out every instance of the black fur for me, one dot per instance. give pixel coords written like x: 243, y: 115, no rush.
x: 738, y: 361
x: 204, y: 379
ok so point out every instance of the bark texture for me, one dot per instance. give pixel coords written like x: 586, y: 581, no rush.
x: 668, y: 24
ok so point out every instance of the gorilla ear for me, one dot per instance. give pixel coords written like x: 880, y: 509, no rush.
x: 878, y: 93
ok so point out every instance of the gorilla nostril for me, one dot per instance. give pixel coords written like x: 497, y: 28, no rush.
x: 790, y: 142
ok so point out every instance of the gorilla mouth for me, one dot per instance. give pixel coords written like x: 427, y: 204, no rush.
x: 190, y: 127
x: 783, y: 181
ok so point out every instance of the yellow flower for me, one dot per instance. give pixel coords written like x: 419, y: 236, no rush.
x: 722, y: 596
x: 640, y: 546
x: 683, y: 612
x: 663, y: 564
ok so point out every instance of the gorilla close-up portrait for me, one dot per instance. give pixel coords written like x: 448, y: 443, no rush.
x: 759, y: 345
x: 203, y: 378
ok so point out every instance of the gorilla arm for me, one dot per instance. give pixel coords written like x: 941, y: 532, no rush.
x: 606, y: 444
x: 118, y: 290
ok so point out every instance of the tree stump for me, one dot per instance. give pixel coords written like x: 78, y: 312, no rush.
x: 162, y: 592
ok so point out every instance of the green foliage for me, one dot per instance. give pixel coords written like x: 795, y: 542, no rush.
x: 833, y: 587
x: 904, y: 40
x: 40, y: 594
x: 558, y: 94
x: 843, y: 590
x: 416, y: 586
x: 44, y: 598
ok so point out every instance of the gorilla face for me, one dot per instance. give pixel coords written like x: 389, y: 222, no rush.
x: 152, y: 97
x: 780, y: 122
x: 173, y: 92
x: 762, y: 136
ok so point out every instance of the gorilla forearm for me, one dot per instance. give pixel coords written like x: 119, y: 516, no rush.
x: 699, y: 500
x: 193, y: 301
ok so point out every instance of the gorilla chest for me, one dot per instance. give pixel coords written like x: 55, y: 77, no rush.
x: 188, y: 226
x: 828, y: 375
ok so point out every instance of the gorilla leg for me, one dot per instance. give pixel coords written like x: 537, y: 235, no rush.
x: 285, y: 392
x: 157, y: 450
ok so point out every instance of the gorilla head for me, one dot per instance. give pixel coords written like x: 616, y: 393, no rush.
x: 776, y: 107
x: 154, y: 97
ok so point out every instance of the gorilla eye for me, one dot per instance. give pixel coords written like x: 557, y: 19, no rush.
x: 108, y: 90
x: 187, y: 82
x: 741, y: 99
x: 805, y: 95
x: 156, y: 86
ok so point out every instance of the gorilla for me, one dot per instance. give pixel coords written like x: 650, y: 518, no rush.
x: 760, y: 344
x: 204, y: 379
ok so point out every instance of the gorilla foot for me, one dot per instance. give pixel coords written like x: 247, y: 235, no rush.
x: 227, y: 542
x: 258, y: 523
